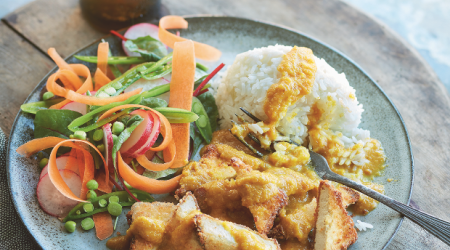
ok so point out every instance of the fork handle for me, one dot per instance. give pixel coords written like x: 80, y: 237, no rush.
x: 435, y: 226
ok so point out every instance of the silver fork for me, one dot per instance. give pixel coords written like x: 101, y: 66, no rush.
x: 436, y: 226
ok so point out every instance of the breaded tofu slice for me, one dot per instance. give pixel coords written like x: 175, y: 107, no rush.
x: 180, y: 232
x: 334, y: 227
x: 158, y: 211
x: 224, y: 235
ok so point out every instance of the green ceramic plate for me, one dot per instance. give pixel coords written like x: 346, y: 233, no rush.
x: 232, y: 36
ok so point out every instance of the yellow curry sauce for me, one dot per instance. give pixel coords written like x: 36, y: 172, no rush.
x: 297, y: 69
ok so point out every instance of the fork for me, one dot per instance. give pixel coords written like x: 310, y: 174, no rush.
x: 434, y: 225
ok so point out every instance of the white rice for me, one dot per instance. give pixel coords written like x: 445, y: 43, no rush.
x: 247, y: 80
x: 362, y: 226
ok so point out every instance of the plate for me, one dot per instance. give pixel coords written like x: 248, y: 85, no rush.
x: 232, y: 36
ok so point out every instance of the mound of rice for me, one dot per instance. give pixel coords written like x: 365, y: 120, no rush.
x: 247, y: 80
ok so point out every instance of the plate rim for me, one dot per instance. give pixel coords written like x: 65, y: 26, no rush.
x: 411, y: 156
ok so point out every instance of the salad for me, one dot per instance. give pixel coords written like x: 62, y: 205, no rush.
x: 109, y: 138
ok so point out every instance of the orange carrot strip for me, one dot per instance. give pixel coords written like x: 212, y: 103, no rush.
x: 202, y: 51
x: 100, y: 79
x: 80, y: 70
x: 55, y: 175
x: 102, y: 56
x: 58, y: 59
x: 143, y: 183
x: 169, y: 157
x: 70, y: 77
x: 166, y: 129
x: 103, y: 225
x: 104, y: 184
x: 92, y: 100
x: 181, y: 89
x: 36, y: 145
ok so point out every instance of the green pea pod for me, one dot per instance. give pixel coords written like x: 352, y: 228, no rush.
x: 175, y: 115
x: 158, y: 74
x: 125, y: 80
x: 113, y: 59
x: 201, y: 66
x: 154, y: 102
x: 123, y: 200
x: 34, y: 107
x: 203, y: 124
x: 124, y: 135
x: 155, y: 66
x: 76, y: 124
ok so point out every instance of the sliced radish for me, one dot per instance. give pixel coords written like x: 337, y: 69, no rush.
x: 60, y: 163
x: 140, y: 30
x: 139, y: 136
x: 76, y: 106
x: 146, y: 84
x: 51, y: 200
x: 152, y: 138
x: 109, y: 143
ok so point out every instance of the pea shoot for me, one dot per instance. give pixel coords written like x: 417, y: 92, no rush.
x: 87, y: 224
x: 98, y: 135
x: 114, y: 199
x: 80, y: 135
x: 101, y: 148
x: 118, y: 127
x: 114, y: 208
x: 91, y: 194
x: 43, y: 162
x: 70, y: 226
x: 88, y: 207
x: 47, y: 95
x: 102, y: 203
x: 92, y: 184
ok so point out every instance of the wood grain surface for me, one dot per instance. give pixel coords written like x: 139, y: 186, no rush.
x: 405, y: 77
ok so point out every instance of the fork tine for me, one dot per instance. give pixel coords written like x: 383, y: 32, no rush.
x: 254, y: 150
x: 256, y: 119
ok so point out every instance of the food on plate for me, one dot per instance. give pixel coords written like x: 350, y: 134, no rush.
x: 128, y: 132
x: 334, y: 227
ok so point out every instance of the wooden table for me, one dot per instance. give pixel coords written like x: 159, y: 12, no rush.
x: 422, y: 100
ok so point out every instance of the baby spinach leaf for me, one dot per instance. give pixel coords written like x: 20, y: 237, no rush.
x: 153, y: 102
x: 159, y: 174
x: 196, y: 138
x: 34, y: 107
x: 150, y: 49
x: 209, y: 103
x: 54, y: 122
x: 124, y: 135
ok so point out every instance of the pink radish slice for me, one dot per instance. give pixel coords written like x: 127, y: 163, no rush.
x: 140, y: 30
x: 60, y: 163
x: 109, y: 143
x: 76, y: 106
x: 139, y: 136
x: 51, y: 200
x: 153, y: 136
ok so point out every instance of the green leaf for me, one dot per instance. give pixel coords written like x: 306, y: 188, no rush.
x: 34, y: 107
x: 54, y: 122
x: 124, y: 135
x: 159, y: 174
x: 153, y: 102
x: 196, y: 137
x: 149, y: 48
x: 209, y: 103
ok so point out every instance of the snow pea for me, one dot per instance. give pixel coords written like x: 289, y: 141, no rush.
x: 34, y: 107
x: 144, y: 70
x: 167, y: 69
x: 113, y: 59
x: 203, y: 123
x: 123, y: 201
